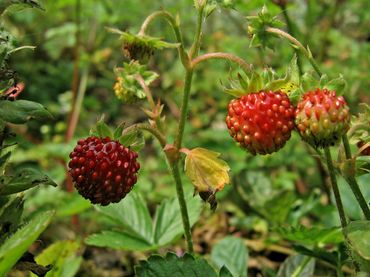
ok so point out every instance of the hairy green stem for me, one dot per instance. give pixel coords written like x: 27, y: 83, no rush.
x: 291, y: 31
x: 225, y: 56
x: 174, y: 163
x: 174, y: 167
x: 351, y: 180
x: 334, y: 184
x: 146, y: 127
x: 299, y: 45
x: 198, y: 35
x: 184, y: 109
x: 176, y: 28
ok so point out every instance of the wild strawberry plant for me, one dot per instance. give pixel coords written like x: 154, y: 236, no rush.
x: 265, y: 111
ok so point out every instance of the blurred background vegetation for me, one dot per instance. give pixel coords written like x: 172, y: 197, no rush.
x: 75, y: 52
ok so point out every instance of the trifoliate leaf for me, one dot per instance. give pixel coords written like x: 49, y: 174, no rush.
x: 207, y: 172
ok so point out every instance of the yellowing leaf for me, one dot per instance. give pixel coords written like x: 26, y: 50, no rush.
x: 207, y: 172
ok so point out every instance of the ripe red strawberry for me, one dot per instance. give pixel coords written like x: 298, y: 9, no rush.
x: 261, y: 122
x: 322, y: 117
x: 103, y: 171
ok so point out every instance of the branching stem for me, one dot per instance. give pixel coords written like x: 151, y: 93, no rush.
x: 299, y: 45
x: 334, y: 184
x: 176, y: 28
x: 225, y: 56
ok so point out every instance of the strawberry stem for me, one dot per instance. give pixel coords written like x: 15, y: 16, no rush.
x: 176, y: 28
x: 334, y: 184
x: 299, y: 45
x: 351, y: 180
x: 146, y: 127
x: 226, y: 56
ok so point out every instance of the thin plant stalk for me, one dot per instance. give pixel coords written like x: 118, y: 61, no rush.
x: 225, y: 56
x: 334, y: 184
x: 351, y: 180
x: 297, y: 44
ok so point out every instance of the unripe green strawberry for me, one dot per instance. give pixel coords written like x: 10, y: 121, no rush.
x: 261, y: 122
x: 322, y: 117
x: 103, y: 171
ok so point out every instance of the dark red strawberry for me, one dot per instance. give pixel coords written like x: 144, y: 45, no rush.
x: 322, y: 117
x: 103, y: 170
x: 261, y: 122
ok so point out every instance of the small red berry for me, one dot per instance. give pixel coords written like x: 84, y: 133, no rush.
x: 322, y: 117
x: 261, y: 122
x: 103, y: 170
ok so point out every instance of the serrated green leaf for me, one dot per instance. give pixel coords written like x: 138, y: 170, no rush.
x: 60, y: 254
x: 132, y: 214
x: 224, y: 272
x: 118, y: 131
x: 277, y: 208
x: 133, y: 139
x: 14, y: 247
x: 232, y: 253
x: 21, y: 111
x: 168, y: 222
x: 119, y: 240
x: 294, y: 264
x: 332, y: 257
x: 10, y: 218
x: 358, y: 233
x: 171, y: 265
x: 312, y: 236
x: 4, y: 158
x: 26, y: 178
x: 255, y: 83
x: 73, y: 204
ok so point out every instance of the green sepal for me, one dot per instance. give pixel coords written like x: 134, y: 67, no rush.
x: 102, y: 129
x: 338, y: 85
x: 172, y: 265
x: 141, y: 47
x: 267, y: 80
x: 257, y: 28
x: 127, y: 88
x: 133, y: 139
